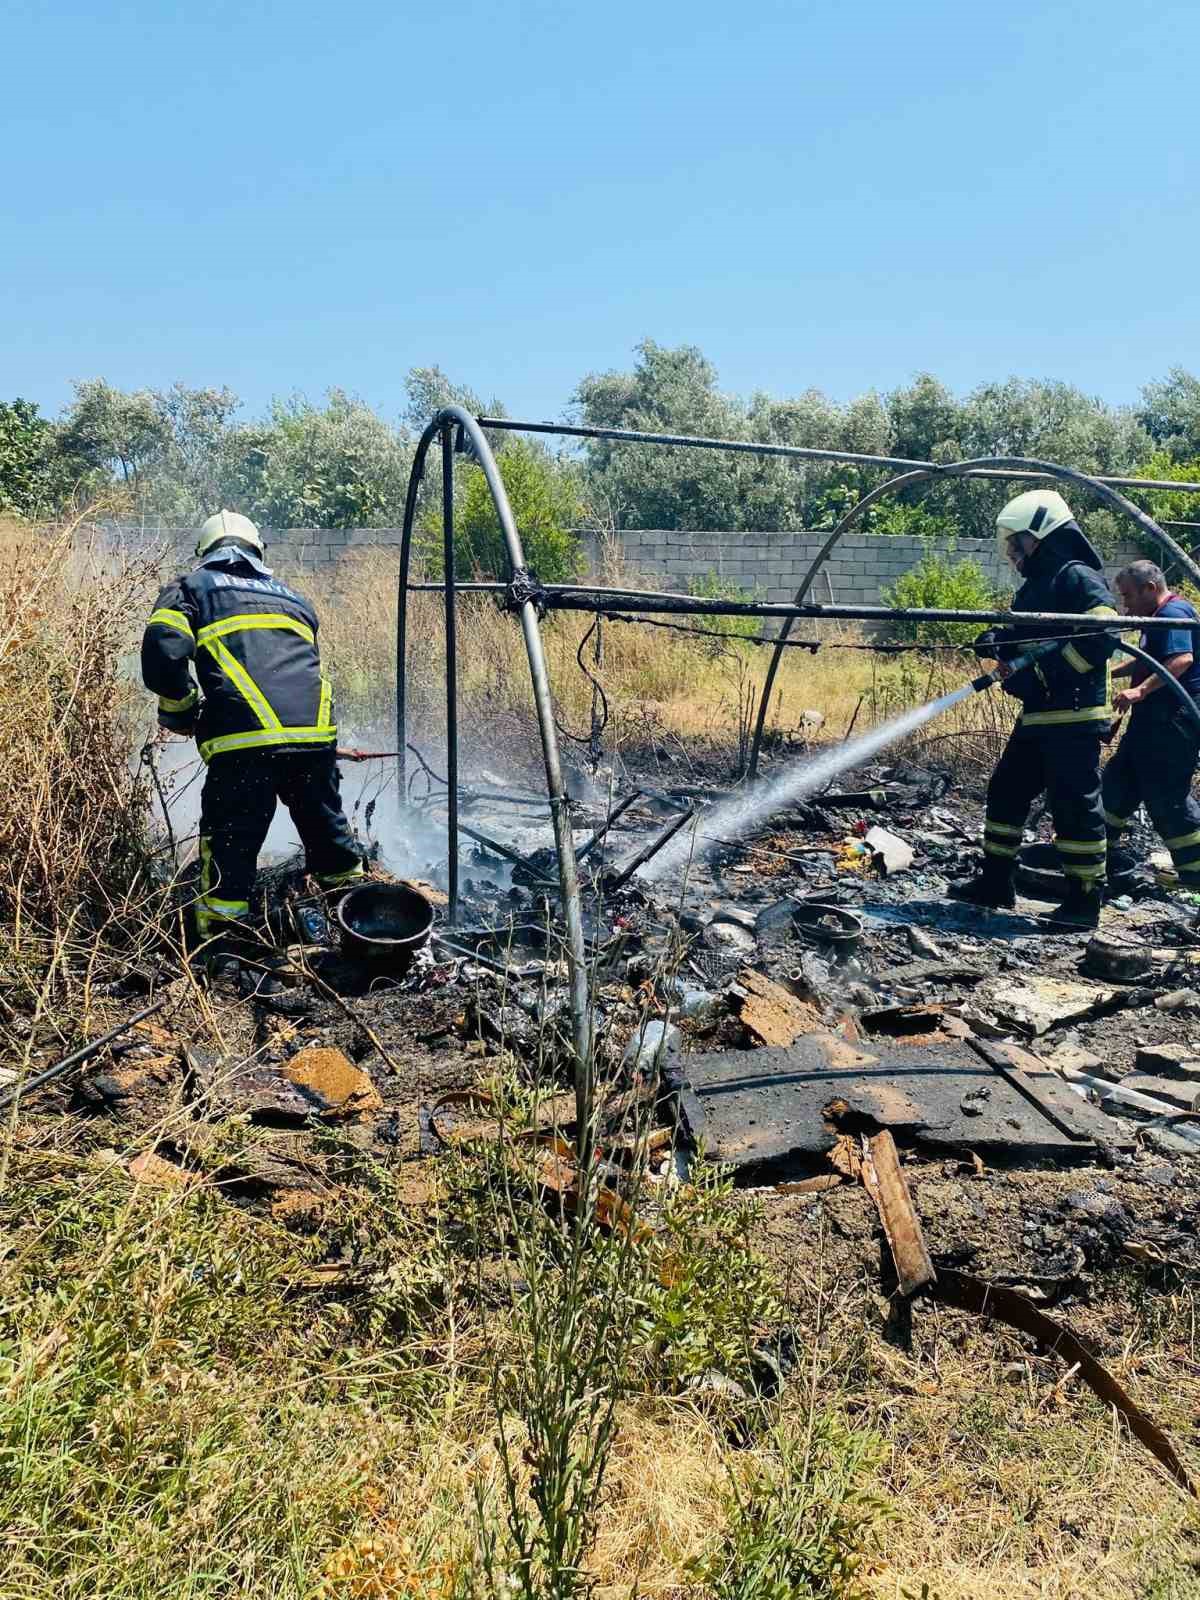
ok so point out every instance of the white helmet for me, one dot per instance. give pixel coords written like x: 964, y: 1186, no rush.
x: 227, y: 525
x: 1037, y: 512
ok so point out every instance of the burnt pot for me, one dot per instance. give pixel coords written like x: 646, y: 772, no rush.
x: 384, y: 924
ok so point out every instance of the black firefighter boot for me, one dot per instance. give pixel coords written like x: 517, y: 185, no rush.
x: 993, y: 886
x: 1081, y: 908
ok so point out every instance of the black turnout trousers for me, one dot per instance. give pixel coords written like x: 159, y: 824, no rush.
x: 1062, y: 762
x: 238, y: 802
x: 1154, y: 766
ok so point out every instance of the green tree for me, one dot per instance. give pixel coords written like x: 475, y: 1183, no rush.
x: 30, y: 483
x: 1170, y: 414
x: 334, y: 466
x: 123, y: 435
x: 544, y: 495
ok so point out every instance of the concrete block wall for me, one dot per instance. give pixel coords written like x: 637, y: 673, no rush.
x: 773, y: 565
x: 768, y: 565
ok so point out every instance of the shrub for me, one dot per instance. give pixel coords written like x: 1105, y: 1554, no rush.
x: 545, y: 504
x: 938, y: 583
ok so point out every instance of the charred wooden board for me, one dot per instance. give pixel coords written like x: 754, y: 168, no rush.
x: 768, y: 1112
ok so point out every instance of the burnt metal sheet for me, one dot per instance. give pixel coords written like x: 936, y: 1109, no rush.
x: 767, y: 1111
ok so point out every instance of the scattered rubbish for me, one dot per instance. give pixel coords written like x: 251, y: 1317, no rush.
x: 889, y: 854
x: 654, y: 1044
x: 829, y: 926
x: 770, y: 1015
x: 1178, y: 1061
x: 333, y: 1084
x: 77, y: 1057
x: 1007, y: 1305
x: 1182, y: 1096
x: 854, y: 800
x: 1035, y: 1005
x: 767, y: 1112
x: 695, y: 1004
x: 974, y: 1101
x: 1121, y: 960
x: 1178, y: 1000
x: 938, y: 971
x: 923, y: 944
x: 1128, y: 1097
x: 154, y: 1172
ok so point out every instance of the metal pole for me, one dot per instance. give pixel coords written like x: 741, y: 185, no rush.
x: 505, y: 850
x: 403, y: 589
x: 617, y: 811
x: 651, y: 849
x: 803, y: 452
x: 451, y: 671
x: 568, y: 873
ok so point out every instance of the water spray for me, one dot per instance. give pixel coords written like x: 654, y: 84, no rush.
x: 743, y: 812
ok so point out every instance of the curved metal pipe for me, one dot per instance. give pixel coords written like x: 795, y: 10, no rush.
x: 568, y: 874
x: 983, y: 465
x: 402, y: 592
x: 1169, y: 680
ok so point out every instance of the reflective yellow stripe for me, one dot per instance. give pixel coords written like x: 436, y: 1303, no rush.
x: 255, y: 619
x: 1046, y: 719
x: 171, y: 619
x: 1184, y: 838
x: 326, y: 703
x: 1074, y: 659
x: 1082, y: 847
x: 991, y: 848
x: 259, y: 739
x: 224, y: 908
x: 1088, y: 874
x: 245, y: 684
x: 1101, y: 611
x: 1117, y: 822
x: 186, y: 704
x: 1006, y: 829
x: 330, y: 880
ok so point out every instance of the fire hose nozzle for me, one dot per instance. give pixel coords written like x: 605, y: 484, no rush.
x: 1026, y: 659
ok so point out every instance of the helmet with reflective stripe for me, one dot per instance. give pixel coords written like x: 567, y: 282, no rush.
x: 227, y: 525
x: 1037, y: 512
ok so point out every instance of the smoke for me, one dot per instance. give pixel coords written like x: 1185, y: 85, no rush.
x: 743, y: 812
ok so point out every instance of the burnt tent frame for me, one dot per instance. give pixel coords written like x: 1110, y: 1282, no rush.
x: 458, y: 431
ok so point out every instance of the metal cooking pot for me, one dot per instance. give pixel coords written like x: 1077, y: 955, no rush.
x: 384, y: 923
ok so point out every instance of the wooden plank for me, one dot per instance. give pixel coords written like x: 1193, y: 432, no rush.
x: 884, y: 1180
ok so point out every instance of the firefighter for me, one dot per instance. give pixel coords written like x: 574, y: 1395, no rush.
x: 262, y: 715
x: 1155, y: 761
x: 1065, y: 714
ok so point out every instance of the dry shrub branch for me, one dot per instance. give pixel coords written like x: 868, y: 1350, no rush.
x: 73, y: 839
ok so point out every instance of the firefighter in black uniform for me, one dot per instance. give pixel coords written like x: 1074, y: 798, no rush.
x: 1156, y: 759
x: 262, y: 716
x: 1065, y: 713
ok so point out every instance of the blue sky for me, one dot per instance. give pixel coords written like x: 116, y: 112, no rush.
x: 284, y: 197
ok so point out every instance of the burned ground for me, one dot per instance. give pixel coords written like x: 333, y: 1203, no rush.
x: 1105, y: 1240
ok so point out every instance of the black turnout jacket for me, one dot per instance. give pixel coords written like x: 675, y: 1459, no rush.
x: 1071, y: 685
x: 253, y: 644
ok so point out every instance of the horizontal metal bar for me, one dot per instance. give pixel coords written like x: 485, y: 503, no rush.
x: 793, y: 452
x: 578, y: 597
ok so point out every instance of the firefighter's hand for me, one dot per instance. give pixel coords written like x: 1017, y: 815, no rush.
x: 1002, y: 670
x: 1124, y: 698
